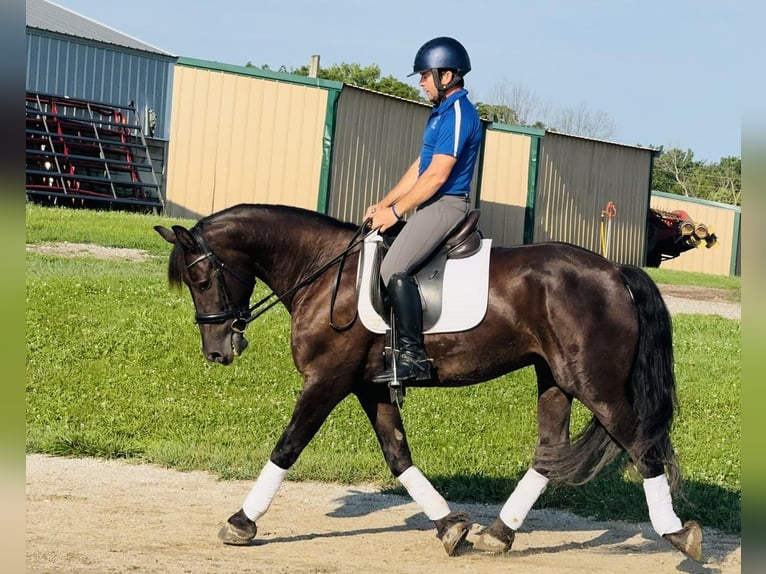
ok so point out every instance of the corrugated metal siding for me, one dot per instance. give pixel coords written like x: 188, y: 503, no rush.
x: 504, y: 186
x: 720, y: 218
x: 376, y: 139
x: 239, y: 138
x: 65, y: 67
x: 577, y: 177
x: 54, y: 18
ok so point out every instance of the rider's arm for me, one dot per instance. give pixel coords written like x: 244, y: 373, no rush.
x: 409, y: 194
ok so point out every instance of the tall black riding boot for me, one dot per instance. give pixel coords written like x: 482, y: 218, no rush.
x: 412, y: 364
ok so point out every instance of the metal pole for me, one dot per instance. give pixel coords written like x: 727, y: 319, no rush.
x: 314, y: 66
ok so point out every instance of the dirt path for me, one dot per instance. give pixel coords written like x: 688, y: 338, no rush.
x: 86, y: 515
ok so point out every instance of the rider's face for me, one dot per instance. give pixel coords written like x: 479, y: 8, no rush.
x: 428, y: 85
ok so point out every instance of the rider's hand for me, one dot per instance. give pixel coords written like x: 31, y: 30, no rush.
x: 370, y: 213
x: 382, y: 219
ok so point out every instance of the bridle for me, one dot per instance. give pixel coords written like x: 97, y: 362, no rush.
x: 241, y: 318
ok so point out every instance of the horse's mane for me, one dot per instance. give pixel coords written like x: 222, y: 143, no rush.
x: 295, y: 216
x: 306, y: 216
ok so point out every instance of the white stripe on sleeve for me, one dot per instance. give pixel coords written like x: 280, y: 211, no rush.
x: 457, y: 127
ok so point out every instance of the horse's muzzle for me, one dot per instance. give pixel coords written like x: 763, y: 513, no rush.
x: 222, y: 344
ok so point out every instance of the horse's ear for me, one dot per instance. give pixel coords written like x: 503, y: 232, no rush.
x: 184, y: 237
x: 166, y: 234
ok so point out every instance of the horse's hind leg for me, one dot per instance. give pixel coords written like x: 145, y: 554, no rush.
x: 553, y: 410
x: 687, y: 537
x: 451, y: 527
x: 621, y: 423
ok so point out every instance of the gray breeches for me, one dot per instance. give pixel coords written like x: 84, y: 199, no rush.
x: 426, y: 229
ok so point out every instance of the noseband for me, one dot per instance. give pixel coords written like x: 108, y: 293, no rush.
x: 241, y: 317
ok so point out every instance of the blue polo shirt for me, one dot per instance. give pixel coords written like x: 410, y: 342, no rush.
x: 453, y: 129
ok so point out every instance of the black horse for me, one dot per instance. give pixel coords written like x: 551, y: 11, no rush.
x: 593, y: 330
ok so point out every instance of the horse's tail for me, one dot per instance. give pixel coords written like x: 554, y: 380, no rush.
x: 652, y: 393
x: 653, y: 381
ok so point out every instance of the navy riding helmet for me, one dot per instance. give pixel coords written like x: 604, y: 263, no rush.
x: 442, y: 53
x: 439, y: 54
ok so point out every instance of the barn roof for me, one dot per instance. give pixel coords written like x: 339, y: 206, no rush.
x: 44, y: 15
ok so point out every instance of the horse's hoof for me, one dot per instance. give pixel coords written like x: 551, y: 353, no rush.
x: 452, y: 530
x: 239, y: 530
x: 688, y: 540
x: 497, y: 538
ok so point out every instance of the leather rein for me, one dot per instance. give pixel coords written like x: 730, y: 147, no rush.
x: 241, y: 318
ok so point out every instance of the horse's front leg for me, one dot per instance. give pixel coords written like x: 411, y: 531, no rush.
x: 451, y: 527
x: 314, y: 404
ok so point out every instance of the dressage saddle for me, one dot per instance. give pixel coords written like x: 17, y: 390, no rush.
x: 463, y: 242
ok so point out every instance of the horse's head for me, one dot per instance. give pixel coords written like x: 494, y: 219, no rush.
x: 220, y: 289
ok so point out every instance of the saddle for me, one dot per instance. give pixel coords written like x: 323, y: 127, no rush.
x: 464, y: 241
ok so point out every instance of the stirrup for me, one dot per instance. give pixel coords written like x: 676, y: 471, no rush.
x: 406, y: 369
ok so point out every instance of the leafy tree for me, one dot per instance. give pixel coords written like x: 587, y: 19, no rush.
x: 676, y: 171
x: 368, y: 78
x: 728, y: 180
x: 497, y: 113
x: 390, y: 85
x: 673, y: 171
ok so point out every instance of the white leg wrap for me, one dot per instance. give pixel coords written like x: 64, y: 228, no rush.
x: 422, y: 491
x: 518, y: 505
x: 264, y: 490
x: 660, y: 503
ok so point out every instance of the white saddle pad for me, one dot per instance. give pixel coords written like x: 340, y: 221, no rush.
x: 466, y: 287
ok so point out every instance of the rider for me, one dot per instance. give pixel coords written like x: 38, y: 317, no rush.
x: 436, y: 186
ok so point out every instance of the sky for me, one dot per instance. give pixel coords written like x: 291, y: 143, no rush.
x: 666, y: 72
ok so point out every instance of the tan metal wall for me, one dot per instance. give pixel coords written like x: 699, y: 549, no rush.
x: 237, y: 138
x: 376, y: 139
x: 721, y: 219
x: 504, y: 186
x: 576, y: 179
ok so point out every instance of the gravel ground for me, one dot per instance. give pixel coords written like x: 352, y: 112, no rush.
x: 700, y: 300
x: 679, y: 305
x: 94, y: 516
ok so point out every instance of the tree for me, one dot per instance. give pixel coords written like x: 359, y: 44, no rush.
x: 728, y: 179
x: 516, y: 104
x: 497, y: 113
x: 673, y: 171
x: 392, y: 86
x: 676, y: 171
x: 355, y: 75
x: 368, y: 78
x: 512, y: 104
x: 581, y: 121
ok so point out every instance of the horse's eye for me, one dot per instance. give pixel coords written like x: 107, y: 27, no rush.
x: 204, y: 285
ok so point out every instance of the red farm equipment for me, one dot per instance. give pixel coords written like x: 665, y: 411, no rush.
x: 671, y: 233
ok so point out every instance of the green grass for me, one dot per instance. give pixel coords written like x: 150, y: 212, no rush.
x: 108, y: 228
x: 114, y: 369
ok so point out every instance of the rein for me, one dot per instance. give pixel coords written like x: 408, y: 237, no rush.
x: 243, y: 318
